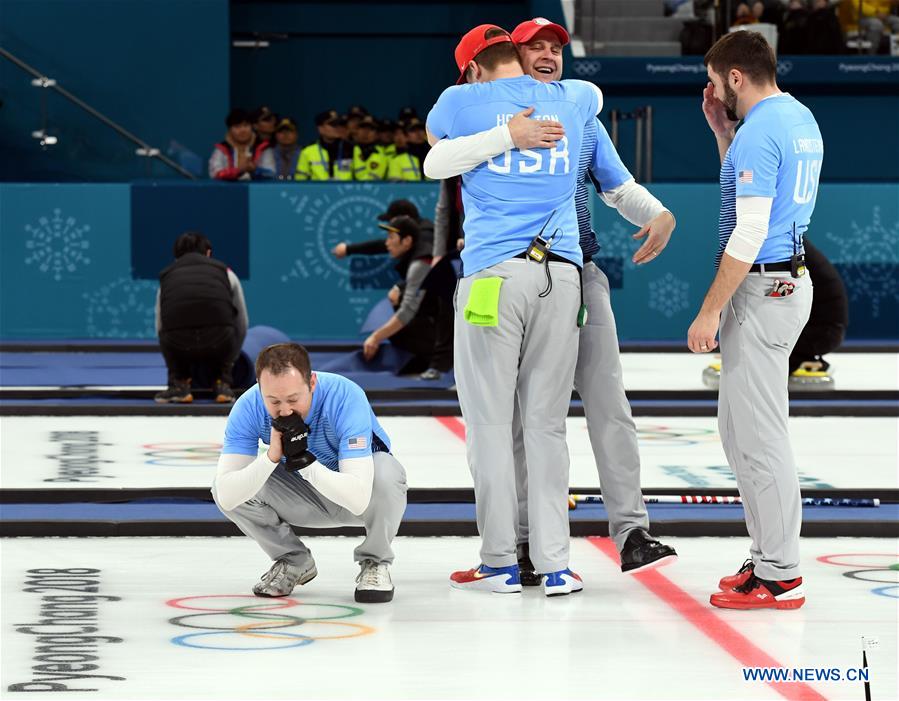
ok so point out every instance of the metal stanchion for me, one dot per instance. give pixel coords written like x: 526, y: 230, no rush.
x: 643, y: 143
x: 638, y: 143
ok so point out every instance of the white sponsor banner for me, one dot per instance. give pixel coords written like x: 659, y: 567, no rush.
x: 171, y: 452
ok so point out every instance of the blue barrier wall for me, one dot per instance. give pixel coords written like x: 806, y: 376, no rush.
x: 74, y: 264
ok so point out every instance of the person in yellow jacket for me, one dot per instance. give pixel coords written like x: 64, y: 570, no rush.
x: 876, y: 17
x: 403, y: 166
x: 385, y: 143
x: 369, y: 163
x: 329, y: 158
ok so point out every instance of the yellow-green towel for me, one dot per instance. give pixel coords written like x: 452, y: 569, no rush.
x: 483, y: 302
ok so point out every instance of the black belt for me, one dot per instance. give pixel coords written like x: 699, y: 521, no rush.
x: 783, y: 266
x: 550, y: 258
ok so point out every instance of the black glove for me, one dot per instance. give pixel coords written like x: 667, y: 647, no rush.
x: 294, y: 439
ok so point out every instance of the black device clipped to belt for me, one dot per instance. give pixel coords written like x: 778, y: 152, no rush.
x: 797, y: 260
x: 539, y: 252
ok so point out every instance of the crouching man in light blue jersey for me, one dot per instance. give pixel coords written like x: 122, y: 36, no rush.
x: 328, y: 464
x: 598, y: 377
x: 758, y: 303
x: 517, y: 313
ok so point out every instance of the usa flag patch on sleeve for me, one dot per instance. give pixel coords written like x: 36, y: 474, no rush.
x: 357, y: 443
x: 744, y: 176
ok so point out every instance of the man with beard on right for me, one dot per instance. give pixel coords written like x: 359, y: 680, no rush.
x: 758, y: 303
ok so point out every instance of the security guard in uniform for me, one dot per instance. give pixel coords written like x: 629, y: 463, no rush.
x: 329, y: 158
x: 404, y: 165
x: 369, y: 163
x: 385, y: 143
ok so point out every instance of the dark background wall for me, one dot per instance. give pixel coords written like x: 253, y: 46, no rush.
x: 158, y: 67
x: 166, y: 70
x: 383, y: 55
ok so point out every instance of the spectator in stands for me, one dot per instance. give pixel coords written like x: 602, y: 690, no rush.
x: 329, y: 158
x: 343, y: 131
x: 403, y: 166
x: 414, y: 325
x: 369, y: 163
x: 417, y: 139
x: 407, y: 114
x: 386, y: 146
x: 876, y: 18
x: 792, y: 36
x: 264, y: 123
x: 769, y: 11
x: 354, y: 115
x: 234, y: 158
x: 823, y: 32
x: 286, y: 150
x: 201, y: 317
x: 746, y: 14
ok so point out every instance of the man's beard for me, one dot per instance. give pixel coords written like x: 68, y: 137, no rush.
x: 730, y: 104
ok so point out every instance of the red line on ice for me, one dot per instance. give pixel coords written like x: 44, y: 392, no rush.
x: 707, y: 622
x: 454, y: 425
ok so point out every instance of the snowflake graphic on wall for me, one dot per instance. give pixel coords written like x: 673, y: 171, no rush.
x: 669, y: 295
x: 57, y: 244
x: 871, y: 254
x: 618, y: 242
x: 124, y: 308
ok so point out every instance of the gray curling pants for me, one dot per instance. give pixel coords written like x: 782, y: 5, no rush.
x: 287, y: 499
x: 530, y: 356
x: 757, y: 334
x: 613, y: 435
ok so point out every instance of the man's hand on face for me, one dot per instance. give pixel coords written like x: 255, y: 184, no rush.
x: 716, y: 113
x: 534, y: 133
x: 275, y: 451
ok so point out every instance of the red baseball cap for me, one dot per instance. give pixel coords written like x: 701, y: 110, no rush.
x: 526, y: 31
x: 474, y: 42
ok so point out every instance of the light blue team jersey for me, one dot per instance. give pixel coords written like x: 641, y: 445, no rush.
x: 341, y: 423
x: 777, y: 153
x: 602, y: 164
x: 508, y: 199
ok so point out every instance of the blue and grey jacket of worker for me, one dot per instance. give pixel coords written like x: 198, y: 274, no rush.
x: 413, y: 269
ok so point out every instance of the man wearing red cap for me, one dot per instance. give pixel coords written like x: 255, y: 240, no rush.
x: 598, y: 376
x: 519, y: 305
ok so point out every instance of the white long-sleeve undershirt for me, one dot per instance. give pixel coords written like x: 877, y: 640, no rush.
x: 633, y: 202
x: 451, y: 157
x: 748, y: 236
x: 240, y: 477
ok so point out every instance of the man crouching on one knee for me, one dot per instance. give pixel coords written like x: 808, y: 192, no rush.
x: 328, y: 464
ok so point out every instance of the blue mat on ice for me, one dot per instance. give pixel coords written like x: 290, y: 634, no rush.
x: 148, y: 370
